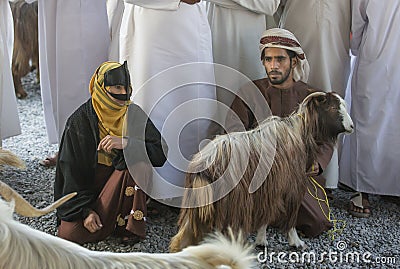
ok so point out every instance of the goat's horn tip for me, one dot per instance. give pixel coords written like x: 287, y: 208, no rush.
x: 72, y: 194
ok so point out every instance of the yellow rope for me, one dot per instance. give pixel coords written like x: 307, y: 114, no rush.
x: 330, y: 217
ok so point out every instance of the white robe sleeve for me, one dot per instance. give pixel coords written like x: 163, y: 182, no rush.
x: 267, y: 7
x: 156, y: 4
x: 359, y: 21
x: 226, y: 4
x: 28, y: 1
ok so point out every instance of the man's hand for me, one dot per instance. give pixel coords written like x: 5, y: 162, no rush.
x: 92, y: 222
x: 111, y: 142
x: 190, y: 2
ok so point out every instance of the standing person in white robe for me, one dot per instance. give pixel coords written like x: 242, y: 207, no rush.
x: 9, y: 120
x: 115, y: 11
x: 370, y: 156
x: 323, y: 29
x: 236, y: 26
x: 74, y: 40
x: 167, y: 36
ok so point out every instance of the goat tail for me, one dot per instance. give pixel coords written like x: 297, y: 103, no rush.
x: 9, y: 158
x: 218, y: 249
x: 24, y: 208
x: 203, y: 197
x: 196, y: 214
x: 198, y: 208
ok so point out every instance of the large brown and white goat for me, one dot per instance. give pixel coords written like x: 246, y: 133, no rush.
x: 24, y: 247
x: 265, y: 169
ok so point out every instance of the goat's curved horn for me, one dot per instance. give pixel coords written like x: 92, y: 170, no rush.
x: 24, y: 208
x: 9, y: 158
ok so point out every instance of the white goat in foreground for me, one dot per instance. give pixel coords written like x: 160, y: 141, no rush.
x: 27, y: 248
x: 22, y: 247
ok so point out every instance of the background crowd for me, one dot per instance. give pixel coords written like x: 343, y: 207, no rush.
x: 77, y: 36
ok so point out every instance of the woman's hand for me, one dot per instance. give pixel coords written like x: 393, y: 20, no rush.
x: 111, y: 142
x: 92, y: 222
x: 190, y: 2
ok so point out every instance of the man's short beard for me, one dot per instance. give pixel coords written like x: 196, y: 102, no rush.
x: 284, y: 78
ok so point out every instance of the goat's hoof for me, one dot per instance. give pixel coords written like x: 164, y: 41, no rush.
x: 261, y: 243
x: 21, y: 94
x: 298, y: 244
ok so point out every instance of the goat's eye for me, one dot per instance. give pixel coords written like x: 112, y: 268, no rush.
x: 333, y: 108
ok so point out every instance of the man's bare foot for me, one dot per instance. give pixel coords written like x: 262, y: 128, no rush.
x: 360, y: 206
x: 49, y: 161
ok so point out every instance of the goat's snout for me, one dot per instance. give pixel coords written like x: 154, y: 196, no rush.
x: 348, y: 127
x: 350, y: 124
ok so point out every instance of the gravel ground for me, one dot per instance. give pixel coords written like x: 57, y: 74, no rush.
x: 376, y: 239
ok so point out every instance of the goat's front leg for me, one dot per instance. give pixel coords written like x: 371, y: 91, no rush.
x: 294, y: 240
x: 261, y: 239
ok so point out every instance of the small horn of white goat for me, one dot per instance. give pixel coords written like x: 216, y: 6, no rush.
x: 22, y: 206
x: 24, y: 247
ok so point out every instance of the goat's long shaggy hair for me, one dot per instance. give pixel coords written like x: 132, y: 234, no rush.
x: 23, y: 247
x: 269, y: 166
